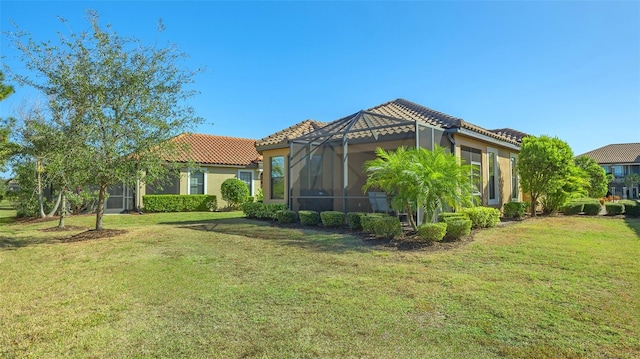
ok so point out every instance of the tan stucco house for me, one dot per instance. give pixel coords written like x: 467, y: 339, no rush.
x: 316, y: 165
x: 620, y: 160
x: 209, y: 161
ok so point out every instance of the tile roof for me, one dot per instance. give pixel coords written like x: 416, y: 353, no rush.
x: 616, y: 153
x: 217, y: 150
x: 291, y: 132
x: 510, y: 133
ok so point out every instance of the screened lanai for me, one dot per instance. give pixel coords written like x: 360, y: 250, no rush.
x: 326, y: 166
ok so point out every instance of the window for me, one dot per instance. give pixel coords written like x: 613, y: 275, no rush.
x: 494, y: 175
x: 277, y: 177
x: 618, y: 171
x: 473, y: 157
x: 196, y: 182
x: 247, y: 177
x: 515, y: 191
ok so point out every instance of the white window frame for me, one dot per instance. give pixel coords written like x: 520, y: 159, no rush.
x: 496, y: 173
x: 251, y: 186
x: 204, y: 179
x: 511, y: 169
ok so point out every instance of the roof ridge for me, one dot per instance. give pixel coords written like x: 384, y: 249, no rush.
x: 408, y: 103
x: 218, y: 136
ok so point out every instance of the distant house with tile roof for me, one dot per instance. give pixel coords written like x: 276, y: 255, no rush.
x: 208, y: 161
x: 316, y: 165
x: 619, y: 159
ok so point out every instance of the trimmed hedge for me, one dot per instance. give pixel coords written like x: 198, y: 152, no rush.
x: 572, y: 208
x: 483, y: 217
x: 631, y: 207
x: 332, y: 218
x: 179, y: 202
x: 515, y: 209
x: 614, y: 209
x: 309, y: 218
x: 592, y: 209
x: 367, y: 220
x: 286, y: 216
x: 444, y: 216
x: 355, y: 220
x: 262, y: 210
x: 458, y: 228
x: 432, y: 231
x: 385, y: 227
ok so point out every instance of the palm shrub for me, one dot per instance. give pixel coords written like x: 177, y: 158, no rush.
x: 432, y: 231
x: 234, y: 192
x: 309, y: 218
x: 332, y: 218
x: 483, y: 217
x: 614, y: 209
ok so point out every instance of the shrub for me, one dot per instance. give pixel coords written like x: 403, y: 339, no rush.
x: 483, y: 217
x: 592, y: 209
x: 614, y: 209
x: 458, y: 228
x: 262, y: 210
x: 332, y: 218
x: 367, y: 220
x: 259, y: 195
x: 385, y: 227
x: 234, y: 192
x: 572, y: 208
x: 432, y: 231
x: 309, y: 218
x: 444, y: 216
x: 286, y: 216
x: 631, y: 208
x: 355, y: 220
x: 179, y: 202
x: 515, y: 209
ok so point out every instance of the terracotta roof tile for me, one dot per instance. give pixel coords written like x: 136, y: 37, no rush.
x: 616, y: 153
x: 291, y: 132
x: 218, y: 150
x: 510, y: 133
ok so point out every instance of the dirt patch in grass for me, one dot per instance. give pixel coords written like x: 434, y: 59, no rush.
x: 93, y: 234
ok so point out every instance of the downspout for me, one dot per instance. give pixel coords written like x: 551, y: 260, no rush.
x: 453, y: 142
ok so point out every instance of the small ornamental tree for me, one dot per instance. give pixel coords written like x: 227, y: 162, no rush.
x: 596, y: 176
x: 234, y: 192
x: 543, y: 165
x: 122, y: 99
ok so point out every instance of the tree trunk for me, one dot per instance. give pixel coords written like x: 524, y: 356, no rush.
x: 410, y: 216
x: 39, y: 183
x: 63, y: 209
x: 100, y: 209
x: 533, y: 205
x: 55, y: 208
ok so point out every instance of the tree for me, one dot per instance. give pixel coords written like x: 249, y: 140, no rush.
x: 420, y: 178
x: 120, y: 99
x: 597, y: 176
x: 544, y: 164
x: 6, y: 147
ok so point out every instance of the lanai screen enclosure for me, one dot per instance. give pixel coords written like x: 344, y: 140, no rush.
x: 326, y: 166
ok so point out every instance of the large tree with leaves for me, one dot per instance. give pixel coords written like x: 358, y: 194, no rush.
x: 544, y: 165
x: 122, y: 98
x: 6, y: 147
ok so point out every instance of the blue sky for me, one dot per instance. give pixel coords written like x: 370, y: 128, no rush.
x: 565, y: 69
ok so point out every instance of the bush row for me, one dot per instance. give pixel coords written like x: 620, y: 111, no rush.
x: 483, y: 217
x: 261, y: 210
x: 593, y: 206
x: 179, y: 203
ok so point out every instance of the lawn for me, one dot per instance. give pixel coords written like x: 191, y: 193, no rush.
x: 216, y: 285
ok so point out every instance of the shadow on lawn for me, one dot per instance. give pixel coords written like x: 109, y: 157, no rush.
x: 295, y: 236
x: 15, y: 243
x: 633, y: 223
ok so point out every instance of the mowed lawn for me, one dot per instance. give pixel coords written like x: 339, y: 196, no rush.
x: 214, y: 285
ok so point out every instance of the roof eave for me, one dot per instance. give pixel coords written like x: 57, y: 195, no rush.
x: 466, y: 132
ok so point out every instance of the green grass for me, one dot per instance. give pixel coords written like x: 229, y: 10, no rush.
x: 210, y: 285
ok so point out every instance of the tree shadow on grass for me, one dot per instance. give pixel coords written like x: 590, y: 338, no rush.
x: 8, y: 243
x: 633, y: 223
x: 335, y: 241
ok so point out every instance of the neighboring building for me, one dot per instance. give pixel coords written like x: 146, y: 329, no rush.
x: 216, y: 159
x: 620, y: 160
x: 315, y: 165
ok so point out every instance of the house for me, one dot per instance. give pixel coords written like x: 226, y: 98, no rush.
x: 319, y: 166
x: 216, y: 159
x: 620, y: 160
